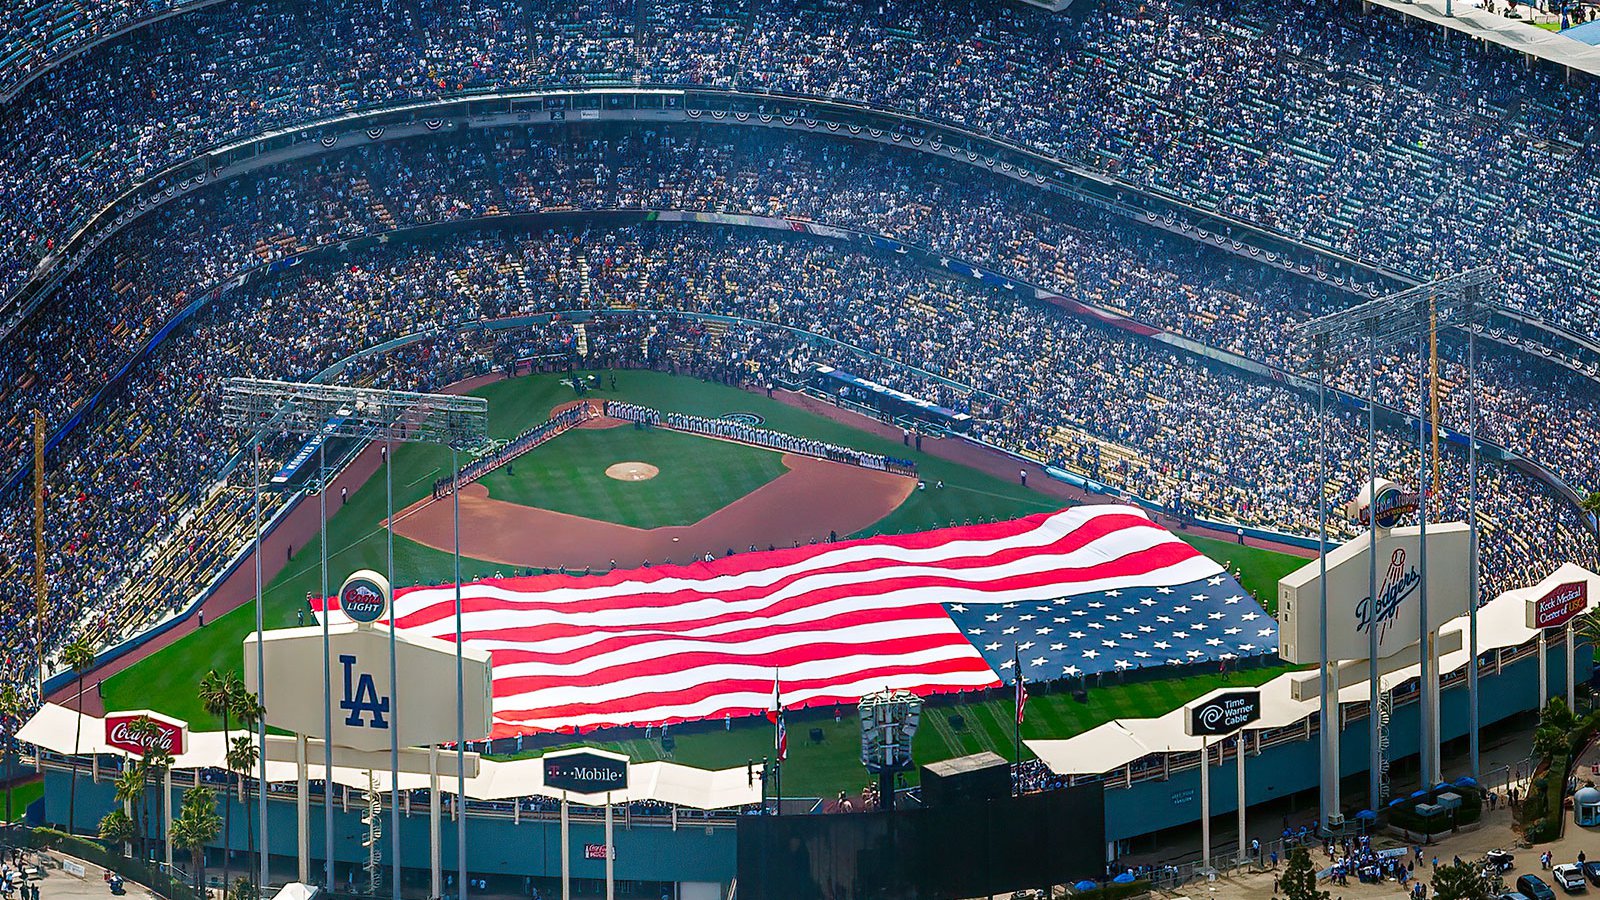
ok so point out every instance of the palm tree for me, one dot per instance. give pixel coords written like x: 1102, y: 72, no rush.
x: 116, y: 828
x: 241, y: 757
x: 196, y: 826
x: 10, y: 711
x: 1587, y: 627
x: 155, y: 762
x: 79, y: 656
x: 130, y: 793
x: 216, y: 695
x: 248, y: 710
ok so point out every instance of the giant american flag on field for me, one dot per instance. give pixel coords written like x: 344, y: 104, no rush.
x: 1083, y: 590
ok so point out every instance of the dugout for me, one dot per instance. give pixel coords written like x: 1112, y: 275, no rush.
x: 897, y: 404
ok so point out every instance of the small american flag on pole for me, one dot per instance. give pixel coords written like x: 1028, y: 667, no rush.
x: 1089, y: 589
x: 1022, y: 688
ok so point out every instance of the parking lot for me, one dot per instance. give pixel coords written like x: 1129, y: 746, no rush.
x: 1495, y: 832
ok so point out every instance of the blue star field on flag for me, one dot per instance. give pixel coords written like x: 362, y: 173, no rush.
x: 1209, y: 620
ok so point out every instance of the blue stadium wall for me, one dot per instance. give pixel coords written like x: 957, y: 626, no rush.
x: 1293, y: 766
x: 494, y: 847
x: 693, y: 852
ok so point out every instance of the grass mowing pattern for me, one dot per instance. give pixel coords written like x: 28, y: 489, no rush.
x: 698, y: 476
x: 166, y: 680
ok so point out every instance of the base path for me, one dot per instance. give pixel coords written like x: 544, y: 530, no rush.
x: 807, y: 502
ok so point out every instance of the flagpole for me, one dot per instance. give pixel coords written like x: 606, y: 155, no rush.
x: 777, y: 741
x: 1019, y: 697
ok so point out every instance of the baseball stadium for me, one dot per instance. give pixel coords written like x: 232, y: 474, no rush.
x: 799, y: 449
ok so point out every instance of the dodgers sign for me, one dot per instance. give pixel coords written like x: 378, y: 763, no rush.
x: 1393, y: 612
x: 366, y: 707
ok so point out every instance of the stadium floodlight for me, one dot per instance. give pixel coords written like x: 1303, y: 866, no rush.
x: 1465, y: 300
x: 1455, y: 301
x: 262, y: 407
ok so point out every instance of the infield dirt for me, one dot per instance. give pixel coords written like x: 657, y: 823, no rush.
x: 807, y: 502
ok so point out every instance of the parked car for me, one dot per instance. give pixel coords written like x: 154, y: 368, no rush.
x: 1570, y: 877
x: 1534, y: 888
x: 1501, y: 861
x: 1592, y: 869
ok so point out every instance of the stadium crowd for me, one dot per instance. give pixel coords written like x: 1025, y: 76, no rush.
x: 1085, y: 256
x: 1160, y: 423
x: 1393, y: 146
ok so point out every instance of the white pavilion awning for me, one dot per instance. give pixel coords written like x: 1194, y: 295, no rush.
x: 1501, y: 624
x: 53, y: 727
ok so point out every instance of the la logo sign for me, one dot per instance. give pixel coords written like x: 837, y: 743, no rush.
x: 361, y: 697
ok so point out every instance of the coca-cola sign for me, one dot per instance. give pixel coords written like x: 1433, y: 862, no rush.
x: 170, y: 735
x: 1562, y: 604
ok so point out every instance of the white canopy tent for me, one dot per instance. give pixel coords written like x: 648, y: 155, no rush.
x: 52, y: 728
x: 1501, y: 624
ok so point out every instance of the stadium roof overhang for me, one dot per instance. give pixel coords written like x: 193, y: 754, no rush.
x: 1502, y: 624
x: 59, y: 729
x: 1515, y: 34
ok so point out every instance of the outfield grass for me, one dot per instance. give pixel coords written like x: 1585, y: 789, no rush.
x: 21, y: 796
x: 166, y: 680
x: 697, y: 476
x: 1259, y: 570
x: 824, y: 768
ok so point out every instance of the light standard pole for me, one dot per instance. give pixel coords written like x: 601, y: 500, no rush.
x: 1330, y: 728
x: 1392, y: 321
x: 327, y: 675
x: 259, y: 407
x: 461, y: 708
x: 394, y: 674
x: 261, y: 663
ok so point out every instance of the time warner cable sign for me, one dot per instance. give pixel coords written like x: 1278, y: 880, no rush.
x: 1223, y: 713
x: 1394, y: 611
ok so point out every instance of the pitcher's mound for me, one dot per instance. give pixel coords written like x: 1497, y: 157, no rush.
x: 632, y: 471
